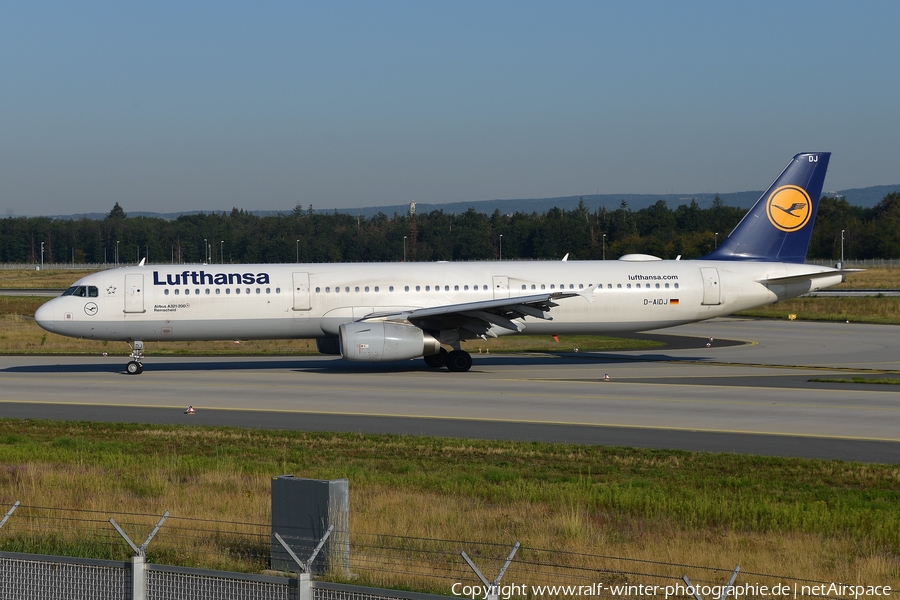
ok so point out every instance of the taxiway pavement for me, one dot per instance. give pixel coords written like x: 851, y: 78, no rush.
x: 755, y: 397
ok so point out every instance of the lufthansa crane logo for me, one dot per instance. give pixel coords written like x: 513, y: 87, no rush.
x: 789, y: 208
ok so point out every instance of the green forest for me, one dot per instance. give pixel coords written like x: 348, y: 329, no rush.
x: 308, y: 236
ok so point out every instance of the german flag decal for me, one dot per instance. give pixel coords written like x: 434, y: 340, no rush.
x: 673, y: 301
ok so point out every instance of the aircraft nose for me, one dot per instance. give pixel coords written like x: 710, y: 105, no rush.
x: 44, y: 316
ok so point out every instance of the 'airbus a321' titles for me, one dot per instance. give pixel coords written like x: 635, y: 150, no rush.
x: 379, y: 312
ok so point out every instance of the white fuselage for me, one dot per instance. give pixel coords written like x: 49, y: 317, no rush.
x: 269, y: 301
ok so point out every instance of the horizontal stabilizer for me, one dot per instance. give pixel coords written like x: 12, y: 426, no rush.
x: 807, y: 276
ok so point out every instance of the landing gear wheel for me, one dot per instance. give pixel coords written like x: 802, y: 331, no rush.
x: 134, y: 368
x: 436, y: 361
x: 459, y: 361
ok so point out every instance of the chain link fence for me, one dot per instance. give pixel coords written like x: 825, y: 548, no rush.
x: 68, y: 553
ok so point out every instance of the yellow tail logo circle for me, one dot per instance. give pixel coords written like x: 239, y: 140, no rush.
x: 789, y: 208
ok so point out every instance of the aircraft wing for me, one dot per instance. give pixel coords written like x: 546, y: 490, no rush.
x: 480, y: 317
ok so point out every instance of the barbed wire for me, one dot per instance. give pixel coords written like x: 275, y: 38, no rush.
x: 385, y: 557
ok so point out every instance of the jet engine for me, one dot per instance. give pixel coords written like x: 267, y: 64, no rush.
x: 378, y: 341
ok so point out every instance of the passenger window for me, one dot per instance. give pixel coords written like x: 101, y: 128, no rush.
x: 347, y: 289
x: 667, y: 286
x: 619, y: 286
x: 327, y: 290
x: 277, y: 290
x: 318, y: 290
x: 356, y: 289
x: 218, y: 291
x: 552, y: 286
x: 337, y: 289
x: 523, y: 287
x: 268, y: 290
x: 571, y: 286
x: 543, y: 286
x: 676, y: 286
x: 166, y: 292
x: 237, y: 290
x: 176, y: 291
x: 427, y: 288
x: 446, y: 288
x: 376, y: 288
x: 418, y: 288
x: 629, y: 286
x: 207, y: 291
x: 580, y: 286
x: 406, y: 288
x: 533, y: 286
x: 258, y: 291
x: 197, y: 291
x: 657, y: 286
x: 485, y: 288
x: 227, y: 291
x: 367, y: 288
x: 465, y: 288
x: 391, y: 288
x: 455, y: 288
x: 187, y: 292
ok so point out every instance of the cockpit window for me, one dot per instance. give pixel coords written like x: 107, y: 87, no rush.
x: 77, y: 290
x: 92, y: 291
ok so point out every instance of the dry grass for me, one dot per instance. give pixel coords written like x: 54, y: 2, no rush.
x: 49, y: 279
x: 872, y: 279
x: 884, y: 310
x: 822, y: 520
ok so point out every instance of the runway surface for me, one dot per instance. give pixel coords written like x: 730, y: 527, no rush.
x: 750, y: 398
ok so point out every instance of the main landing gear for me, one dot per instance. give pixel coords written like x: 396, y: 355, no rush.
x: 136, y: 365
x: 456, y: 361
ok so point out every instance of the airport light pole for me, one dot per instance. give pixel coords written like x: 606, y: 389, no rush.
x: 842, y: 248
x: 117, y: 253
x: 717, y: 239
x: 298, y: 250
x: 501, y: 246
x: 42, y: 256
x: 222, y: 252
x: 603, y: 241
x: 404, y: 248
x: 205, y: 251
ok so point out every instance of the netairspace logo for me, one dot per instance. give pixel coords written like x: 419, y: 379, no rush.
x: 737, y: 591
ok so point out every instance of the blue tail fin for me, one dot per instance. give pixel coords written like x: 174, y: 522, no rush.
x: 779, y: 226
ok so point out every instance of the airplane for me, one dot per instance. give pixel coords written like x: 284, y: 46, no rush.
x: 375, y: 312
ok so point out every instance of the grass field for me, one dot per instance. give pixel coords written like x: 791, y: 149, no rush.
x: 823, y: 520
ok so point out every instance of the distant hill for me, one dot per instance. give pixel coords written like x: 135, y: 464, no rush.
x: 865, y: 197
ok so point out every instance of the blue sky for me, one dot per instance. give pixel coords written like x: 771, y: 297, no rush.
x: 170, y: 106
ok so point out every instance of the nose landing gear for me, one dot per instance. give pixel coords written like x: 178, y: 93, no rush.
x: 136, y: 365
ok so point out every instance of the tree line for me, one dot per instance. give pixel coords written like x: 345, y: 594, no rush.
x: 308, y: 236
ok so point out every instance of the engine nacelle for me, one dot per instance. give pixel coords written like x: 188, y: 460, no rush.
x: 378, y: 341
